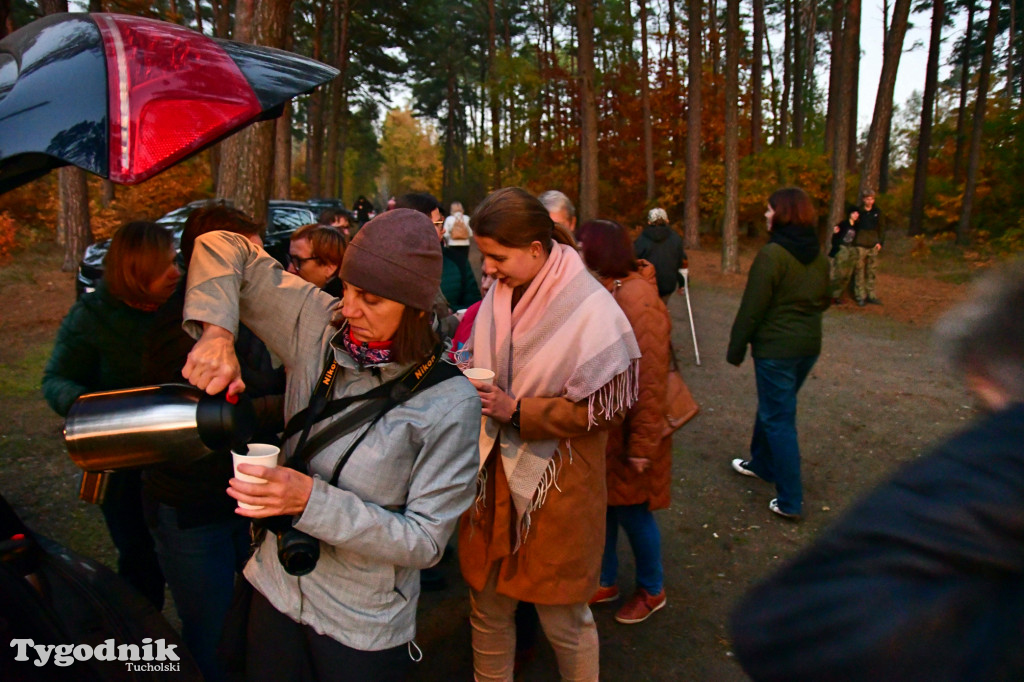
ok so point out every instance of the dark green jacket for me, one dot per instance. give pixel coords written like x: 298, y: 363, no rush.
x: 104, y: 345
x: 780, y: 315
x: 101, y: 346
x: 457, y: 281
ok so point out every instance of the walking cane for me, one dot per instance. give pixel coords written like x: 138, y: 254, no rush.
x: 685, y: 272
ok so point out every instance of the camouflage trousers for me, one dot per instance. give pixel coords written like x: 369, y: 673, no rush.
x: 842, y: 265
x: 864, y: 273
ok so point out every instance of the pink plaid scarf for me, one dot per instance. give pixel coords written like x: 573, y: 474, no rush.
x: 566, y: 338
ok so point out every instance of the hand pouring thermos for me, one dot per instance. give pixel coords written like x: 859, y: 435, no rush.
x: 140, y: 427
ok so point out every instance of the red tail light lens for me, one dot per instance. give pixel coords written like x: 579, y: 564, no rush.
x: 172, y: 91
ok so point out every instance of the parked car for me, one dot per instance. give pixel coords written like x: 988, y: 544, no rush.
x: 324, y: 204
x: 283, y: 218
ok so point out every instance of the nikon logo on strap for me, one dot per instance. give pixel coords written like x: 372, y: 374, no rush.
x: 328, y: 376
x: 425, y: 367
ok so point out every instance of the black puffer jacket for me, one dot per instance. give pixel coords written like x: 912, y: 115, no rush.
x: 922, y: 580
x: 663, y: 248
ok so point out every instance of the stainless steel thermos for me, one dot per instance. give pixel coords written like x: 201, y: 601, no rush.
x: 139, y: 427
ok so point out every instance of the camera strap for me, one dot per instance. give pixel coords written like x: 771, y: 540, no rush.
x: 377, y: 402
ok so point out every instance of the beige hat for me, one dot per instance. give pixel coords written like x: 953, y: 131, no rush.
x: 657, y: 216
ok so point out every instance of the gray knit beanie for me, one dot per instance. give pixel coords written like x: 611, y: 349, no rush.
x: 396, y: 255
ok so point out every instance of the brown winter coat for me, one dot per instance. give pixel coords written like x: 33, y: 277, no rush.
x: 640, y: 434
x: 560, y: 559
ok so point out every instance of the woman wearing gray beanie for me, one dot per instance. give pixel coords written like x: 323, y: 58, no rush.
x: 380, y: 498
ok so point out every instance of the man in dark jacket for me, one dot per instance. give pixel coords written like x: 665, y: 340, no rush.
x: 663, y: 248
x: 868, y: 244
x: 924, y: 578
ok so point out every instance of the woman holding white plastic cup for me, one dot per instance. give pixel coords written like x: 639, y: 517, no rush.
x: 565, y: 363
x: 387, y: 510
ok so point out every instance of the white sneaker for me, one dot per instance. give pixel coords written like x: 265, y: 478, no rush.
x: 774, y: 506
x: 740, y: 467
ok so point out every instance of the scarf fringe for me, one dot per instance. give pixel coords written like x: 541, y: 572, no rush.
x: 481, y: 490
x: 616, y: 396
x: 548, y: 480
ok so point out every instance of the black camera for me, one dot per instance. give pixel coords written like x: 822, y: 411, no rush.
x: 298, y: 552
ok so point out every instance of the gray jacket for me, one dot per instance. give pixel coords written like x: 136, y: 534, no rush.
x: 402, y: 491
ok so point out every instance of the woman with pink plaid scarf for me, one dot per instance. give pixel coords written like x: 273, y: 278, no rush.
x: 565, y: 363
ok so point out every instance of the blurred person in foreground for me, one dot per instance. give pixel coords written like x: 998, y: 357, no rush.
x: 315, y: 253
x: 639, y: 454
x: 923, y: 579
x: 662, y: 247
x: 780, y: 319
x: 566, y: 365
x: 382, y: 496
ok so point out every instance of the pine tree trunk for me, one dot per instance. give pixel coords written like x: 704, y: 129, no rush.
x: 835, y: 40
x: 74, y: 216
x: 332, y: 109
x: 283, y: 155
x: 247, y: 159
x: 730, y: 221
x: 853, y: 74
x: 849, y: 55
x: 787, y: 73
x: 645, y: 98
x: 589, y: 205
x: 757, y: 79
x: 961, y: 114
x: 924, y: 139
x: 798, y: 74
x: 109, y: 191
x: 74, y: 232
x: 963, y: 230
x: 691, y: 214
x: 492, y: 89
x: 315, y: 112
x: 882, y: 117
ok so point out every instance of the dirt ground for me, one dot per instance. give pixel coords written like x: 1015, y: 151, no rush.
x: 875, y: 399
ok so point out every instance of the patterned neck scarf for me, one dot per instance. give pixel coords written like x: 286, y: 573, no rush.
x: 365, y: 353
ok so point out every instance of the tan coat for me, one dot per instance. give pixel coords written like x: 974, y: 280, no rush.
x: 560, y: 560
x: 640, y: 434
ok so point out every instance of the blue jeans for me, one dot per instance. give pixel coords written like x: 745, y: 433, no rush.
x: 645, y: 539
x: 774, y: 450
x: 200, y: 564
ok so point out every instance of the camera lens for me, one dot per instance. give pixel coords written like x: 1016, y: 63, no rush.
x: 297, y: 552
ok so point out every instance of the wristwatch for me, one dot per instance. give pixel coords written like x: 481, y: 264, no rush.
x: 514, y: 419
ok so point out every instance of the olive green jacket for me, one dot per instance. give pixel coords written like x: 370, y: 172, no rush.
x: 780, y: 314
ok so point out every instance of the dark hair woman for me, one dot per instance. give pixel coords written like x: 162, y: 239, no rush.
x: 780, y: 318
x: 380, y: 499
x: 639, y: 455
x: 103, y: 345
x: 565, y: 364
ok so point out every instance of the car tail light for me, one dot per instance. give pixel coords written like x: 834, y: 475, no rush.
x: 171, y: 91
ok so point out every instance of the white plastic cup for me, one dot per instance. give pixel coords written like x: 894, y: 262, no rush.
x: 479, y: 374
x: 261, y: 454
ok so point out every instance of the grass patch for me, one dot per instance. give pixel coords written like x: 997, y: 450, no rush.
x: 21, y: 378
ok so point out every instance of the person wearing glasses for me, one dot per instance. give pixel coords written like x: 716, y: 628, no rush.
x: 315, y: 254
